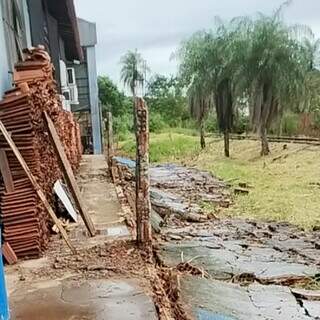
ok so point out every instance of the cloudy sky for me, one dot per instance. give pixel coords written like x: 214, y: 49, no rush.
x: 156, y: 28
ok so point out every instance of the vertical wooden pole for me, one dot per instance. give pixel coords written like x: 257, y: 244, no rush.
x: 110, y: 139
x: 143, y: 204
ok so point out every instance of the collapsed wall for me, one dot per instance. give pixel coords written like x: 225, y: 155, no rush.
x: 24, y: 219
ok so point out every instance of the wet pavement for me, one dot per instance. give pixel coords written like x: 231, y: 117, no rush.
x: 87, y: 300
x: 216, y: 300
x: 228, y: 248
x: 248, y: 268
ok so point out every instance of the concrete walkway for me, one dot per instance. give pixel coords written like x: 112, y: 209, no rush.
x: 98, y: 191
x: 41, y: 289
x: 100, y: 198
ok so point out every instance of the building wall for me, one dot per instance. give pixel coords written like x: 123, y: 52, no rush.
x: 26, y: 18
x: 5, y: 82
x: 82, y: 80
x: 53, y: 35
x: 94, y: 100
x: 87, y: 82
x: 12, y: 33
x: 37, y: 22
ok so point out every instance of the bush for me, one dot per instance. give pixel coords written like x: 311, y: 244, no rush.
x: 123, y: 126
x: 290, y: 124
x: 211, y: 123
x: 241, y: 124
x: 156, y: 122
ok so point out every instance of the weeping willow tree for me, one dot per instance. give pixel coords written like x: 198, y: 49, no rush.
x: 200, y: 103
x: 208, y: 56
x: 274, y: 70
x: 261, y: 60
x: 311, y: 101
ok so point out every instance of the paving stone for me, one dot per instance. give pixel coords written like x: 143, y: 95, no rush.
x: 216, y: 300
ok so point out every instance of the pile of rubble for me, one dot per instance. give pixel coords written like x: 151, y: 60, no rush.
x: 175, y: 191
x: 25, y: 221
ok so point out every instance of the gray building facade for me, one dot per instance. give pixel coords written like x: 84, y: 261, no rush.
x: 87, y: 84
x: 14, y: 36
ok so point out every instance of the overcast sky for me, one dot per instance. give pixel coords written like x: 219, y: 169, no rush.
x: 156, y: 28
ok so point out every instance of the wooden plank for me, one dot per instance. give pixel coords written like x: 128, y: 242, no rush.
x: 36, y: 186
x: 9, y: 254
x: 6, y: 172
x: 68, y: 174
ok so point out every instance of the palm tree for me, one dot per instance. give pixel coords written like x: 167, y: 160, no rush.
x: 132, y: 70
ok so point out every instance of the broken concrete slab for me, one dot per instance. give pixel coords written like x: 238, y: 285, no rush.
x: 95, y: 299
x: 182, y: 187
x: 232, y: 260
x: 312, y: 308
x: 211, y: 300
x: 168, y: 204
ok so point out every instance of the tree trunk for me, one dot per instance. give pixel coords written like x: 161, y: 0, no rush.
x: 143, y: 203
x: 264, y: 142
x: 280, y: 130
x: 226, y: 143
x: 202, y: 134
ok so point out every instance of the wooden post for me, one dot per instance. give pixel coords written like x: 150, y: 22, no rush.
x: 68, y: 175
x: 110, y: 139
x: 143, y: 204
x: 36, y: 186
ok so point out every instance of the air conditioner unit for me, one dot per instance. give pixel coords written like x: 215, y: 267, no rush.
x: 72, y: 85
x: 65, y: 99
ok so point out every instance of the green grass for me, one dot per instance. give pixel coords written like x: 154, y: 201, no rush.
x: 165, y: 147
x: 284, y: 190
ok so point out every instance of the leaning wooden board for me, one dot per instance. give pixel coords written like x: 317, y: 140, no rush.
x: 36, y: 186
x: 5, y: 171
x: 68, y: 174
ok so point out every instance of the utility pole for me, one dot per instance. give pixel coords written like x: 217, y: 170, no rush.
x: 143, y: 204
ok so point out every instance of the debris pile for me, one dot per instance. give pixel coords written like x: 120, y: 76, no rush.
x: 176, y: 191
x: 24, y: 219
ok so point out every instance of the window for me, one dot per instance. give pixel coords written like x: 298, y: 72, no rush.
x: 71, y: 77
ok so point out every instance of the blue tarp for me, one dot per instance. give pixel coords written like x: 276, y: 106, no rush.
x: 126, y: 162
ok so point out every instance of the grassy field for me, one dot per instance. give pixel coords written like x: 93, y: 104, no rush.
x: 285, y: 185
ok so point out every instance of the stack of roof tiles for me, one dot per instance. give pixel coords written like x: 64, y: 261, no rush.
x: 25, y: 221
